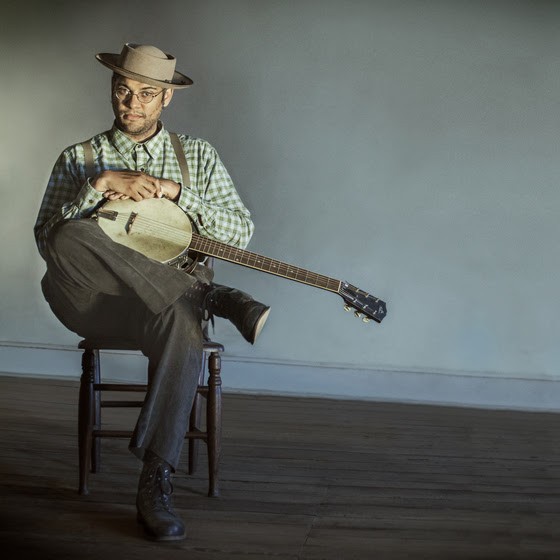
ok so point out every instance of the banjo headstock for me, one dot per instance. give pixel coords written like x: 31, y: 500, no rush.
x: 365, y: 305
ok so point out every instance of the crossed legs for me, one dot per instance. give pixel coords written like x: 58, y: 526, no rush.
x: 98, y: 288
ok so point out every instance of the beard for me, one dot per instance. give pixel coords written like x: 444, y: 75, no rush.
x: 137, y: 127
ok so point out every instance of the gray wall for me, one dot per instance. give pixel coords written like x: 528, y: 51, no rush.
x: 408, y: 147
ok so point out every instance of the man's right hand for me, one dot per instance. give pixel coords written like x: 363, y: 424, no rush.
x: 127, y: 184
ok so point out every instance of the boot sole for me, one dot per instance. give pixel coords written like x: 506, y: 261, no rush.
x: 159, y: 538
x: 260, y: 324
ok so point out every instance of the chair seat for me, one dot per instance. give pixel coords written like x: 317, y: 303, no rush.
x: 127, y: 344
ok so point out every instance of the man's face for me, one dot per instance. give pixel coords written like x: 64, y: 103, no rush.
x: 137, y: 120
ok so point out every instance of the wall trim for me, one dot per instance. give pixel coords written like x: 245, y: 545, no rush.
x: 339, y: 381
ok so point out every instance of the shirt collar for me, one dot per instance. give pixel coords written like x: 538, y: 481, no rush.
x: 125, y: 145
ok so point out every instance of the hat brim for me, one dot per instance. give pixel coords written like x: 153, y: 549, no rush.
x: 110, y: 60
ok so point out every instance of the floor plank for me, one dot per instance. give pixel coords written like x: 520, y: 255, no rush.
x: 301, y: 478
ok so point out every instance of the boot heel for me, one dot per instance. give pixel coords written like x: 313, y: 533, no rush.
x: 259, y: 325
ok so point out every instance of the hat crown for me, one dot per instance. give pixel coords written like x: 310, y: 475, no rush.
x: 148, y: 50
x: 148, y: 61
x: 147, y: 64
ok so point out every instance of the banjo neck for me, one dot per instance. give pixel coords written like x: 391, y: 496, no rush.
x: 242, y: 257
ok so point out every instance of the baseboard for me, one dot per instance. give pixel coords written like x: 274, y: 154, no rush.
x: 285, y: 378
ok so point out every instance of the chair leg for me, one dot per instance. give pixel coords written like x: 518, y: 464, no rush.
x: 194, y: 422
x: 214, y: 421
x: 85, y: 419
x: 96, y: 411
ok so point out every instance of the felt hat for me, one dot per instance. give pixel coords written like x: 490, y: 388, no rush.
x: 146, y: 64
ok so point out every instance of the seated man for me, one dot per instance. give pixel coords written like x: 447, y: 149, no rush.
x: 99, y: 288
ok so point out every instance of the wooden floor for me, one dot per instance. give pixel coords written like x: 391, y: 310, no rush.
x: 301, y: 479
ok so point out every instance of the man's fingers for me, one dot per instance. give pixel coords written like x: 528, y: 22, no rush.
x: 133, y: 184
x: 112, y: 195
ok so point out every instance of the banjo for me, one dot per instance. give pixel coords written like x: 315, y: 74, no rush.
x: 159, y: 229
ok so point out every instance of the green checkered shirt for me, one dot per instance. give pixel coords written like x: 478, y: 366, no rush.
x: 211, y: 200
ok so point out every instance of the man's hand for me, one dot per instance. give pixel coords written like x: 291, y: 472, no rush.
x: 170, y: 189
x: 134, y: 184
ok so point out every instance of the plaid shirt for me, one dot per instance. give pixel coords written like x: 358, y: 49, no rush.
x: 211, y: 200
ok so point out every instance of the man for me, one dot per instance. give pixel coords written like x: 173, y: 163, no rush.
x: 97, y: 287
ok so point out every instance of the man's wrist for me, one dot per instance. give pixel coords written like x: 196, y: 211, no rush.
x: 171, y: 189
x: 98, y: 183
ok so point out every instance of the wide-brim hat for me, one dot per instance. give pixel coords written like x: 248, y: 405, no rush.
x: 146, y: 64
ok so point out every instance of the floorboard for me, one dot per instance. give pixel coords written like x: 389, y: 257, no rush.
x: 301, y: 479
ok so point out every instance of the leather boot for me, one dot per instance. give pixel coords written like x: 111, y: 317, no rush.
x: 153, y: 501
x: 248, y: 315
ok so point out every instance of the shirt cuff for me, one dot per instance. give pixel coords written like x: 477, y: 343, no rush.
x: 88, y: 199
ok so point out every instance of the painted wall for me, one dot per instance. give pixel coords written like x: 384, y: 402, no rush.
x: 407, y: 147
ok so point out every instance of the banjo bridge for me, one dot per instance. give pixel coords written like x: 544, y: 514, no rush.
x: 130, y: 221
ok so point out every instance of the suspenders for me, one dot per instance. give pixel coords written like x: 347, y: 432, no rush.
x: 88, y: 156
x: 179, y: 154
x: 181, y: 159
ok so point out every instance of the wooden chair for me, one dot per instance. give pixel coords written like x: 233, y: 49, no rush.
x: 91, y: 402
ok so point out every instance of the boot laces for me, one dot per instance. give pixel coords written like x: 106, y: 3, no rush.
x: 159, y: 487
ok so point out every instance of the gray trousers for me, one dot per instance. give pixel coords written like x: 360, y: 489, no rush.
x: 98, y: 288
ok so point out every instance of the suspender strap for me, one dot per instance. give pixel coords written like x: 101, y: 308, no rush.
x: 177, y: 146
x: 88, y: 156
x: 182, y: 160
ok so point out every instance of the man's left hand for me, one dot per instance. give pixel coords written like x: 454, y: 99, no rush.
x: 167, y: 189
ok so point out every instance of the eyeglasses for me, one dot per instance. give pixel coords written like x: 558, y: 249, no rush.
x: 145, y: 97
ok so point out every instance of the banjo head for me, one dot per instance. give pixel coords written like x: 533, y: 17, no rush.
x: 155, y: 227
